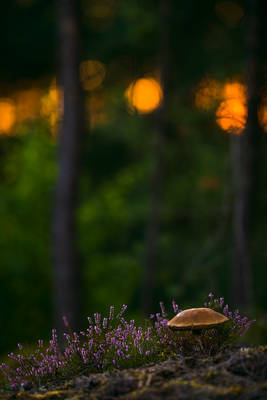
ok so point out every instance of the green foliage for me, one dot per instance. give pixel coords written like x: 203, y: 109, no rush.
x: 25, y: 203
x: 115, y: 343
x: 117, y: 161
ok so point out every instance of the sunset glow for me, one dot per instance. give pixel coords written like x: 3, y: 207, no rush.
x: 144, y: 95
x: 100, y: 13
x: 232, y: 112
x: 263, y: 115
x: 92, y: 74
x: 208, y: 93
x: 7, y: 115
x: 52, y: 105
x: 229, y: 12
x: 231, y: 102
x: 95, y: 104
x: 27, y: 104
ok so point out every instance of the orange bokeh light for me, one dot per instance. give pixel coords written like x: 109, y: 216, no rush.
x: 52, y: 105
x: 144, y: 95
x: 27, y: 104
x: 100, y: 13
x: 232, y: 112
x: 263, y: 114
x: 95, y: 104
x: 208, y: 93
x: 7, y: 115
x: 209, y: 182
x: 92, y: 74
x: 229, y: 12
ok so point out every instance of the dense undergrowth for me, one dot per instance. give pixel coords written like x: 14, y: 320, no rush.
x: 113, y: 342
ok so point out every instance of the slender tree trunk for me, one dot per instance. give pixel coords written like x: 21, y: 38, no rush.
x: 157, y: 179
x: 244, y: 153
x: 66, y: 276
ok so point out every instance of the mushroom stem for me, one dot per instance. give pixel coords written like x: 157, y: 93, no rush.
x: 196, y: 332
x: 197, y: 335
x: 197, y: 320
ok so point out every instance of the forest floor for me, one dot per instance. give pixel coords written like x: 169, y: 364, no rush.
x: 235, y: 373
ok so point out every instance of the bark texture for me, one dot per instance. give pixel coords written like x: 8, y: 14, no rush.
x: 157, y: 178
x: 244, y: 154
x: 66, y: 276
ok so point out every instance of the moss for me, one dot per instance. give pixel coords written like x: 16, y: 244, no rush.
x: 210, y: 375
x: 233, y: 374
x: 235, y: 389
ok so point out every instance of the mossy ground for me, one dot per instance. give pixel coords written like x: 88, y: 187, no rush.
x: 235, y: 373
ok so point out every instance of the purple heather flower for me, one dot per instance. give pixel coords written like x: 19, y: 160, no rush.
x: 105, y: 323
x: 175, y: 307
x: 163, y: 311
x: 111, y: 313
x: 90, y: 344
x: 98, y: 347
x: 97, y: 317
x: 211, y: 295
x: 226, y: 310
x: 123, y: 309
x: 158, y: 316
x: 65, y: 320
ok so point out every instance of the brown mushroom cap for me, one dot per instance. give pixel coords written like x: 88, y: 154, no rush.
x: 197, y: 318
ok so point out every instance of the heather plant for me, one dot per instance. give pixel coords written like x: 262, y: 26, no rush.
x: 113, y: 342
x: 212, y: 340
x: 238, y: 325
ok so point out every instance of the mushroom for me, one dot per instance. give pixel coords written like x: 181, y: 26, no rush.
x: 197, y: 319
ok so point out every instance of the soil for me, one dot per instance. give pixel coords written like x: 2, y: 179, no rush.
x: 235, y: 373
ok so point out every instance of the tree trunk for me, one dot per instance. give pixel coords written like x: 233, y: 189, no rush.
x: 157, y: 179
x: 66, y: 276
x: 244, y: 153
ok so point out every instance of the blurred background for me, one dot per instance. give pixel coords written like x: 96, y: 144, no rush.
x: 133, y: 138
